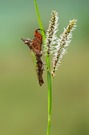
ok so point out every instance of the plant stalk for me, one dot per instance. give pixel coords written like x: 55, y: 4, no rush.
x: 49, y: 82
x: 49, y: 94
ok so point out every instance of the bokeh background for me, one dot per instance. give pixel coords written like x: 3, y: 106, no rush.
x: 23, y: 103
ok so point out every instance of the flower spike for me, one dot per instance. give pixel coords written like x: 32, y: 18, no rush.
x: 62, y: 44
x: 51, y: 33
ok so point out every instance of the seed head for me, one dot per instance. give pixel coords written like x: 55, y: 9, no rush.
x: 51, y: 33
x: 62, y: 44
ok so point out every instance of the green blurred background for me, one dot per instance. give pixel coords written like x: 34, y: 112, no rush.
x: 23, y: 103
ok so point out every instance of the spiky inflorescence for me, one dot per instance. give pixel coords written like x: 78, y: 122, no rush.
x: 51, y: 33
x: 62, y: 44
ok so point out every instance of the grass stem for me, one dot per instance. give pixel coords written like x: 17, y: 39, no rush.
x: 49, y: 82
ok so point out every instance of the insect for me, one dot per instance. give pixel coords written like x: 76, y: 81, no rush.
x: 36, y: 46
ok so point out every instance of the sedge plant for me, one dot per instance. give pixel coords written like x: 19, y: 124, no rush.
x: 54, y: 48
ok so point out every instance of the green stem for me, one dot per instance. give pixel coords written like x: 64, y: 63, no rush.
x: 49, y: 94
x: 48, y: 72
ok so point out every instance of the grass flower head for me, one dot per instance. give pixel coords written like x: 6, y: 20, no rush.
x: 51, y: 32
x: 62, y: 44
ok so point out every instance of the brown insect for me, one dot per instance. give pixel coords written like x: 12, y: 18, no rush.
x: 36, y: 46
